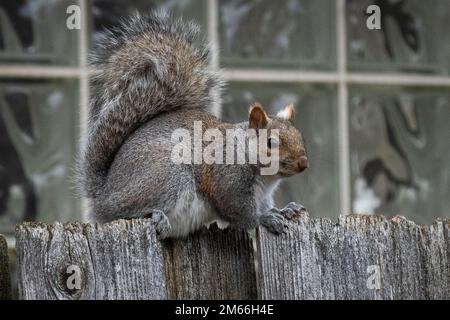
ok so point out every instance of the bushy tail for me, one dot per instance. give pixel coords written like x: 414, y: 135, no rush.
x: 143, y: 67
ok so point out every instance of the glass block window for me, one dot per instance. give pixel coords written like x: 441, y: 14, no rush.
x: 38, y: 142
x: 277, y: 33
x: 400, y: 150
x: 35, y: 32
x: 414, y: 36
x: 372, y: 104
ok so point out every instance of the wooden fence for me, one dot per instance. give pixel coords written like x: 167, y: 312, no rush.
x: 5, y: 284
x: 359, y: 257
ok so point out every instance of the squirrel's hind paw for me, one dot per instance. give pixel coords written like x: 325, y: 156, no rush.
x: 274, y: 221
x: 162, y: 224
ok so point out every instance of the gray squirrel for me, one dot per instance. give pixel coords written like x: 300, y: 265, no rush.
x: 149, y: 80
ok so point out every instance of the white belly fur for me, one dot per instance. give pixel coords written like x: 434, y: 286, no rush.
x: 190, y: 213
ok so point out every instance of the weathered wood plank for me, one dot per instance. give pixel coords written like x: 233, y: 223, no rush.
x: 360, y: 257
x: 211, y: 264
x: 124, y: 260
x: 118, y: 260
x: 5, y: 279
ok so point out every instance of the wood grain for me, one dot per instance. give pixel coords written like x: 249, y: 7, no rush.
x: 211, y: 264
x: 125, y: 260
x: 360, y: 257
x: 5, y: 279
x: 118, y: 260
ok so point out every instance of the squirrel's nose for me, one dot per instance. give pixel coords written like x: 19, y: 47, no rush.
x: 302, y: 163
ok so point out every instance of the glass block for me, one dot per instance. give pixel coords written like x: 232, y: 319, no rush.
x: 400, y: 152
x: 414, y: 36
x: 38, y: 143
x: 317, y: 188
x: 35, y: 31
x: 285, y: 33
x: 106, y: 13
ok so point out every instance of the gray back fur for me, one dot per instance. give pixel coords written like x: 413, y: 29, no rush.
x: 145, y: 66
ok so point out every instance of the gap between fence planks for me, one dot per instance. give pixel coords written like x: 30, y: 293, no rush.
x: 359, y: 257
x: 5, y: 279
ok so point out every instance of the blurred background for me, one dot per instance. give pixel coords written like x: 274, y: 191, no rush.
x: 373, y: 105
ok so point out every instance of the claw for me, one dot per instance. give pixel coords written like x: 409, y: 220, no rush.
x: 288, y: 213
x: 162, y: 224
x: 291, y: 209
x: 274, y: 222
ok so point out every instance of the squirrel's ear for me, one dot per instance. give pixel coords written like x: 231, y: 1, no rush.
x: 287, y: 113
x: 257, y: 117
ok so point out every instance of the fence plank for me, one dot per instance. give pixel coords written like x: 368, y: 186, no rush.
x: 212, y: 264
x: 360, y: 257
x: 118, y: 260
x: 5, y: 279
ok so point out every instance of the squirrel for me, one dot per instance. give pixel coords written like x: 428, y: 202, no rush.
x: 150, y: 79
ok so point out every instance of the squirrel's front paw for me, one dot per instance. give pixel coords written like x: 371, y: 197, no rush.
x: 162, y: 224
x: 292, y: 209
x: 274, y: 221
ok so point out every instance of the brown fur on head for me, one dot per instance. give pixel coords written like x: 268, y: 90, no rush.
x: 292, y: 152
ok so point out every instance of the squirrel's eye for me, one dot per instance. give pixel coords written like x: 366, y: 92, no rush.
x: 272, y: 143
